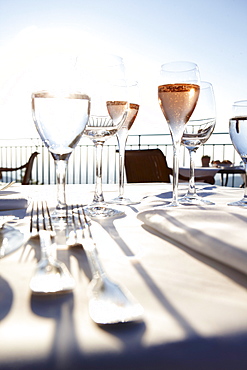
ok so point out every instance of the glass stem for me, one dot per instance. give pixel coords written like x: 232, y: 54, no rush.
x: 61, y: 170
x: 98, y: 194
x: 122, y: 139
x: 192, y: 188
x: 46, y: 246
x: 245, y: 181
x: 176, y: 152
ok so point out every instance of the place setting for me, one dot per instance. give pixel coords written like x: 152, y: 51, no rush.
x: 109, y: 302
x: 67, y: 226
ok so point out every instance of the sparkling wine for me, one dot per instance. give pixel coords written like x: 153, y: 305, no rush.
x: 118, y: 111
x: 178, y: 102
x: 238, y: 134
x: 131, y: 116
x: 198, y: 133
x: 60, y: 119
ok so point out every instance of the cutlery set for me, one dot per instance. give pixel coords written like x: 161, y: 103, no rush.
x: 50, y: 275
x: 109, y: 303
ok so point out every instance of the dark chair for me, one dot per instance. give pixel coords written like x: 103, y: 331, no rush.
x: 146, y: 165
x: 150, y: 165
x: 28, y: 169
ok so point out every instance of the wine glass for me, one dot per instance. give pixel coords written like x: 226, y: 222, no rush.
x: 109, y: 108
x: 197, y: 131
x: 60, y: 118
x: 178, y: 93
x: 122, y: 136
x: 238, y: 134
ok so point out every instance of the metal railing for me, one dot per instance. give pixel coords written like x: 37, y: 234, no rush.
x: 81, y: 169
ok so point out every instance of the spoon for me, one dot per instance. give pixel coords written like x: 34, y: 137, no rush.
x: 109, y: 303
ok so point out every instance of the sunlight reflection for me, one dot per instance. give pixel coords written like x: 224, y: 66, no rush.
x: 33, y: 333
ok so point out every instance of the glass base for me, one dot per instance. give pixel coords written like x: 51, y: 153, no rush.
x: 239, y: 203
x: 60, y: 214
x: 123, y: 201
x: 172, y: 204
x: 61, y: 218
x: 101, y: 211
x: 194, y: 200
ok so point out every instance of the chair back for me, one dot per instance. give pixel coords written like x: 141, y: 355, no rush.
x: 146, y: 165
x: 29, y: 166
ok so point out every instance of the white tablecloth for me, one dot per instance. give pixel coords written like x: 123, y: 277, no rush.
x: 195, y: 306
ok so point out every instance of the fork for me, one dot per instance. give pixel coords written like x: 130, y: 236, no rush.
x: 109, y: 303
x: 51, y: 275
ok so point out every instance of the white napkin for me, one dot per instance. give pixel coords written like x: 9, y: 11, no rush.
x: 12, y: 200
x: 219, y: 233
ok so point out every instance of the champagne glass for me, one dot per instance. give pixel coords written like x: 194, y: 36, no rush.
x: 60, y: 118
x: 122, y: 136
x: 197, y: 131
x: 109, y: 108
x: 238, y: 134
x: 178, y: 93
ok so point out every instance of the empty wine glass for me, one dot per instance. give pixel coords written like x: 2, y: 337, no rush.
x: 238, y: 134
x: 122, y: 136
x: 60, y: 113
x: 60, y: 119
x: 109, y: 108
x: 178, y: 93
x: 197, y: 131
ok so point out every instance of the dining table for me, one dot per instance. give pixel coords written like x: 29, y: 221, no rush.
x: 199, y: 171
x: 223, y: 170
x: 186, y: 266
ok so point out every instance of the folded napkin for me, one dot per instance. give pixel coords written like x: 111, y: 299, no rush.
x: 219, y: 233
x: 12, y: 200
x: 10, y: 240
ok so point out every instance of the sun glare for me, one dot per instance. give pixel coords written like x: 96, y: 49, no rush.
x: 36, y: 59
x: 33, y: 49
x: 33, y: 61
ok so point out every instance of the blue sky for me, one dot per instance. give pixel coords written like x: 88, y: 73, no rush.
x: 146, y: 34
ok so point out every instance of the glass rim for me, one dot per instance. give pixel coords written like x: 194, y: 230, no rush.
x: 190, y: 66
x: 58, y: 93
x: 197, y: 122
x: 240, y: 103
x: 205, y: 84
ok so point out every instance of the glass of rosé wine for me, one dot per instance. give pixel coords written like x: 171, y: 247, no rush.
x: 122, y: 136
x: 178, y: 92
